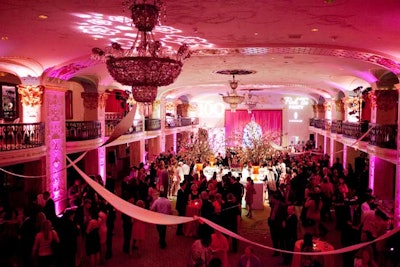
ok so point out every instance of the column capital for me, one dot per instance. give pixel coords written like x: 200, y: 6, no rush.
x: 339, y: 105
x: 94, y: 100
x: 328, y: 106
x: 31, y: 95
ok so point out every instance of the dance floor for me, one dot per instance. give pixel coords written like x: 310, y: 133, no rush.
x: 178, y: 247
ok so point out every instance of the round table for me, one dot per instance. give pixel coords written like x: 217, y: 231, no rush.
x: 319, y: 246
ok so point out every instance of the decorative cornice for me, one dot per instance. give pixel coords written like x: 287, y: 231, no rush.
x: 94, y: 100
x: 383, y: 99
x: 31, y: 95
x: 30, y: 80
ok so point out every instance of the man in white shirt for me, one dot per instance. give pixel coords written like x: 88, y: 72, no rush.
x: 366, y: 205
x: 179, y: 172
x: 186, y: 169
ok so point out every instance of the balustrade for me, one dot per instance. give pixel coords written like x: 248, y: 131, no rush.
x: 336, y: 127
x: 319, y: 123
x: 172, y: 122
x: 152, y: 124
x: 15, y: 136
x: 355, y: 130
x: 82, y: 130
x: 136, y: 127
x: 178, y: 122
x: 383, y: 136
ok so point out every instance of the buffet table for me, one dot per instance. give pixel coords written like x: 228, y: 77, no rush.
x: 319, y: 246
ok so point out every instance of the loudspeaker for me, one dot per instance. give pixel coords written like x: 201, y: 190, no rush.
x: 312, y: 137
x: 112, y: 158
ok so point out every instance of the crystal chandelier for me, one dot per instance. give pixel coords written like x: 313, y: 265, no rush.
x: 145, y: 65
x: 250, y: 102
x: 232, y: 98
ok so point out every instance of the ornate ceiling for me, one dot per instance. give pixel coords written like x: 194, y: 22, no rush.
x: 311, y: 47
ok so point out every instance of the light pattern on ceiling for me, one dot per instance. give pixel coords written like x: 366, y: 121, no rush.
x: 119, y: 29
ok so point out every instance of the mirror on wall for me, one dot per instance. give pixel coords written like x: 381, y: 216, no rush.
x: 9, y: 104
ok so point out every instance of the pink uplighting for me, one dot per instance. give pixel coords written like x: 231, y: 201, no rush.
x: 371, y: 181
x: 55, y: 135
x: 344, y: 160
x: 102, y: 163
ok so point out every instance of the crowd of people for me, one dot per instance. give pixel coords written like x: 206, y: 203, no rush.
x: 83, y: 234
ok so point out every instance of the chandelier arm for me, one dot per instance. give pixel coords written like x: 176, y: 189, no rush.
x: 143, y: 65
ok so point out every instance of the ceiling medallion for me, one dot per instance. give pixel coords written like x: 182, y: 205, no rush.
x: 233, y: 98
x: 146, y: 65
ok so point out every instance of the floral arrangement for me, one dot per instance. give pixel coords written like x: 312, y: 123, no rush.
x: 196, y: 147
x: 253, y: 149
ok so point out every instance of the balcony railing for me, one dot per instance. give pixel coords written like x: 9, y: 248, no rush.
x: 355, y: 130
x: 319, y: 123
x: 178, y: 122
x: 15, y: 136
x: 152, y: 124
x: 383, y: 136
x: 172, y: 122
x: 113, y: 116
x: 82, y: 130
x: 136, y: 127
x: 336, y: 127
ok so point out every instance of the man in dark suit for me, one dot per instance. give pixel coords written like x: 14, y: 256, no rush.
x: 276, y: 219
x: 230, y: 217
x: 290, y: 233
x: 181, y: 203
x: 49, y: 208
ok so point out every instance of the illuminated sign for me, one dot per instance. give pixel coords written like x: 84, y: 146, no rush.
x: 295, y: 118
x: 296, y: 103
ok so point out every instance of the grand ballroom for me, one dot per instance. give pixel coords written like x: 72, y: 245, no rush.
x: 94, y: 88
